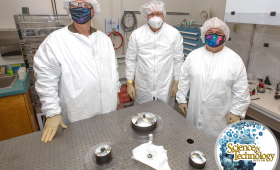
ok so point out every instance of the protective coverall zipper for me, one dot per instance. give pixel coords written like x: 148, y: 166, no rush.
x: 99, y: 82
x: 154, y: 85
x: 207, y: 81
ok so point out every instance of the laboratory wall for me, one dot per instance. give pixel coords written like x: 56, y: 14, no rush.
x: 259, y: 48
x: 265, y: 58
x: 114, y: 8
x: 217, y: 8
x: 11, y: 7
x: 241, y: 40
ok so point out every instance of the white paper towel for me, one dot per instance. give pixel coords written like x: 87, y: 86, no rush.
x: 159, y: 158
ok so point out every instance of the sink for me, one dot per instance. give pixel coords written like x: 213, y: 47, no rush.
x: 7, y: 81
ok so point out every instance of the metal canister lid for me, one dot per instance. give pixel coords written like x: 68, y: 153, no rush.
x: 144, y: 119
x: 103, y: 150
x: 198, y: 159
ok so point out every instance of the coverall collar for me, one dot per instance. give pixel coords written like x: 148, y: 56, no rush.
x: 210, y: 52
x: 73, y: 29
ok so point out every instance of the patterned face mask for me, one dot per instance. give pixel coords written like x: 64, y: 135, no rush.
x: 81, y: 15
x: 214, y: 40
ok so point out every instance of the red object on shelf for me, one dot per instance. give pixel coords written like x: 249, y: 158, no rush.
x: 123, y: 88
x: 254, y: 92
x: 261, y: 85
x: 123, y: 97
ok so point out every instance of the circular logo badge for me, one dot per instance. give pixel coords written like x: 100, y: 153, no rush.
x: 246, y: 145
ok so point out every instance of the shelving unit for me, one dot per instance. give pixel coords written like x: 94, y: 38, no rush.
x: 32, y: 31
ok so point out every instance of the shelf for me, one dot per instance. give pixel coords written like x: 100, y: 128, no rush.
x: 196, y: 39
x: 8, y: 29
x: 33, y: 29
x: 188, y: 49
x: 30, y: 41
x: 44, y: 22
x: 189, y: 33
x: 44, y: 28
x: 40, y: 36
x: 191, y: 44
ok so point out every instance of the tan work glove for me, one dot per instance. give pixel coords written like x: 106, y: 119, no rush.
x: 232, y: 118
x: 174, y: 88
x: 130, y: 89
x: 51, y: 126
x: 184, y: 108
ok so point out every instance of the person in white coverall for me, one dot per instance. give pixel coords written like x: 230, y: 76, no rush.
x: 154, y: 56
x: 76, y: 70
x: 217, y: 80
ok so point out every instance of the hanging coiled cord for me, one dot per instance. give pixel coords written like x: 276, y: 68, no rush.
x: 129, y: 22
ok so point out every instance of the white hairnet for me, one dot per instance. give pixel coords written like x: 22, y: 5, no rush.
x: 94, y: 3
x: 152, y: 6
x: 214, y: 23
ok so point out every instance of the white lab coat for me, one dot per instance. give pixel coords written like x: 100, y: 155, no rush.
x: 218, y: 85
x: 76, y: 75
x: 154, y: 58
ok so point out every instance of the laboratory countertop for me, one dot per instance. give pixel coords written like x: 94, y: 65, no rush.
x: 266, y: 104
x: 20, y: 86
x: 68, y: 148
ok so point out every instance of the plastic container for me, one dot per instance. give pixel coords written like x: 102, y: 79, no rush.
x: 10, y: 70
x: 21, y: 72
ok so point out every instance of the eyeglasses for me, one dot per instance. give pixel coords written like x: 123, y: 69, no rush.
x: 211, y: 32
x: 76, y: 5
x: 160, y: 14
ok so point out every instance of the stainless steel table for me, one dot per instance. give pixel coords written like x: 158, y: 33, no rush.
x: 69, y: 146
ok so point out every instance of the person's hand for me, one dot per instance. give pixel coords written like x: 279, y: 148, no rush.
x: 174, y: 88
x: 130, y: 90
x: 51, y: 126
x: 183, y: 107
x: 232, y: 118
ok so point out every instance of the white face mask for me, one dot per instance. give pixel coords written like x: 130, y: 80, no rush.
x: 155, y: 22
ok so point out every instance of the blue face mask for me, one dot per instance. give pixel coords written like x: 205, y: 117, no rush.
x: 214, y: 40
x: 81, y: 15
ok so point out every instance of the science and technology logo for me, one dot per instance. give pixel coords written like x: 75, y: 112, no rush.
x: 246, y: 145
